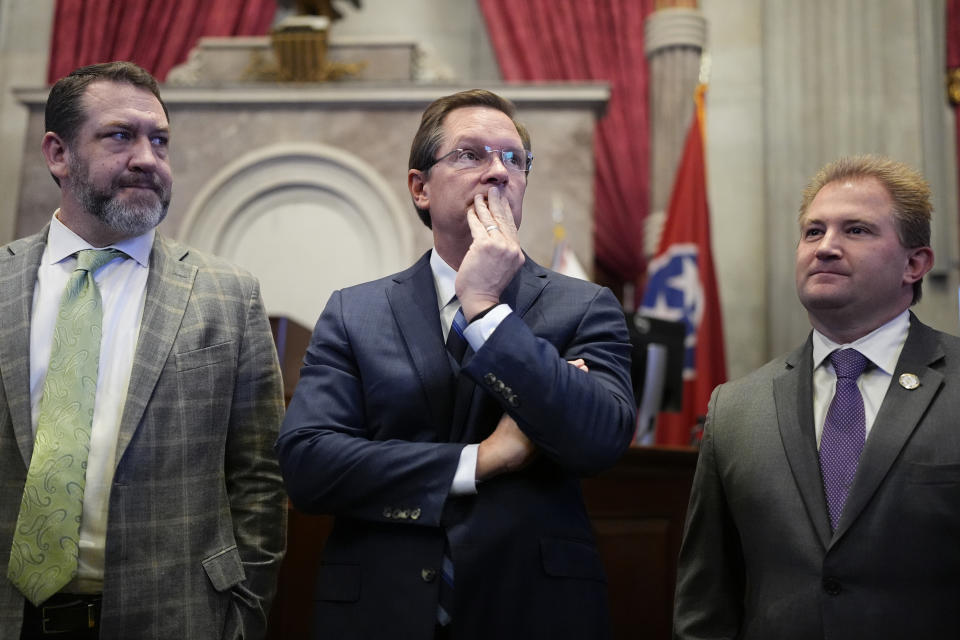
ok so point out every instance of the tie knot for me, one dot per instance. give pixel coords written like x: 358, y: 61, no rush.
x: 92, y: 259
x: 848, y: 363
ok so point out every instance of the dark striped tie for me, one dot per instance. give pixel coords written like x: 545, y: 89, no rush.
x: 457, y: 347
x: 456, y: 343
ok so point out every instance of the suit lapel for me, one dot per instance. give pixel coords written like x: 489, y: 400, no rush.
x: 526, y: 287
x: 413, y: 300
x: 899, y: 415
x: 169, y: 284
x: 793, y: 396
x: 18, y: 267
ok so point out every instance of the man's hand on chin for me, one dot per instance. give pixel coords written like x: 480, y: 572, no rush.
x: 494, y: 256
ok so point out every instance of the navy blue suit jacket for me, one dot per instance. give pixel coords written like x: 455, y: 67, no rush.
x: 373, y: 436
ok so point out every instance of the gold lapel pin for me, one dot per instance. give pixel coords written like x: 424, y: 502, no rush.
x: 909, y: 381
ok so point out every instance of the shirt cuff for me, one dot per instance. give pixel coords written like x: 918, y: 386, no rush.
x: 465, y: 479
x: 478, y: 331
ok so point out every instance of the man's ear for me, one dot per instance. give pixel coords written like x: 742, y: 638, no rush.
x: 417, y: 183
x: 919, y: 262
x: 57, y: 155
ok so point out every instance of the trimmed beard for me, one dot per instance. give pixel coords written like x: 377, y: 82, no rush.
x: 128, y: 219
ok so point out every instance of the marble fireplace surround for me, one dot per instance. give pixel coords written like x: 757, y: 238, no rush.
x: 306, y: 186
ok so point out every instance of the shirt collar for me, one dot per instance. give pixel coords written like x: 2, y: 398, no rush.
x: 882, y: 346
x: 63, y: 243
x: 444, y: 279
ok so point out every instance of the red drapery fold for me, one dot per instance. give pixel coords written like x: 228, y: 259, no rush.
x: 155, y: 34
x: 592, y: 40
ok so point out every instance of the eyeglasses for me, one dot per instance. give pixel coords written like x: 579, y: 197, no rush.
x: 514, y: 160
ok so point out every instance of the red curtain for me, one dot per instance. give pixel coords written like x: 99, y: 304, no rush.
x: 602, y: 40
x: 156, y: 34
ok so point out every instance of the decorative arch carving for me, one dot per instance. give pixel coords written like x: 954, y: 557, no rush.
x: 304, y: 218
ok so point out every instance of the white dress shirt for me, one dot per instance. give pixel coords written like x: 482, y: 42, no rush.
x: 122, y: 283
x: 476, y: 334
x: 882, y: 348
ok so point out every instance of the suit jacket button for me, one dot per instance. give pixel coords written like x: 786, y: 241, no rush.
x: 514, y: 401
x: 489, y: 378
x: 498, y: 386
x: 403, y: 514
x: 428, y: 575
x: 387, y: 512
x: 831, y: 586
x: 414, y: 514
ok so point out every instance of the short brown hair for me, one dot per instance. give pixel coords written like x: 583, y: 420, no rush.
x: 65, y: 113
x: 429, y: 135
x: 908, y: 190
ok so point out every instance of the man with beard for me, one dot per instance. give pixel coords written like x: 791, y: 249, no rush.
x: 140, y: 396
x: 453, y: 473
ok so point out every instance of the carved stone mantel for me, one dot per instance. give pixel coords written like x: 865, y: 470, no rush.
x: 343, y: 214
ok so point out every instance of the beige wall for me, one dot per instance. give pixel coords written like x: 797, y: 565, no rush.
x: 779, y: 108
x: 735, y: 173
x: 24, y: 45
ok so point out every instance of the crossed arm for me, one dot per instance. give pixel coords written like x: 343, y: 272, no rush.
x: 357, y: 441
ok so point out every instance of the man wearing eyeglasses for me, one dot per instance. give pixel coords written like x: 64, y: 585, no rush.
x: 453, y: 472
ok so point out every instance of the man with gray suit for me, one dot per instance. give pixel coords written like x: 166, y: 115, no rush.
x: 139, y: 496
x: 825, y: 502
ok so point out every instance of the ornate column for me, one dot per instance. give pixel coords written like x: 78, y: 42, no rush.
x: 675, y: 35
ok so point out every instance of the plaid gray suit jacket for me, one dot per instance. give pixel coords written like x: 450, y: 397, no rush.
x: 197, y: 524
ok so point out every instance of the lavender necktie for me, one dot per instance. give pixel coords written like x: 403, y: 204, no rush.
x: 844, y: 431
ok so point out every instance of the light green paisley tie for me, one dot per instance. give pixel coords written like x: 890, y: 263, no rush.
x: 43, y: 557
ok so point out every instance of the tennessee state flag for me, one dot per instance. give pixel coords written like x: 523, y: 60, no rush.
x: 681, y: 286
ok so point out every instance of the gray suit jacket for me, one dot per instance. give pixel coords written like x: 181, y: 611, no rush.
x: 758, y: 558
x: 196, y: 525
